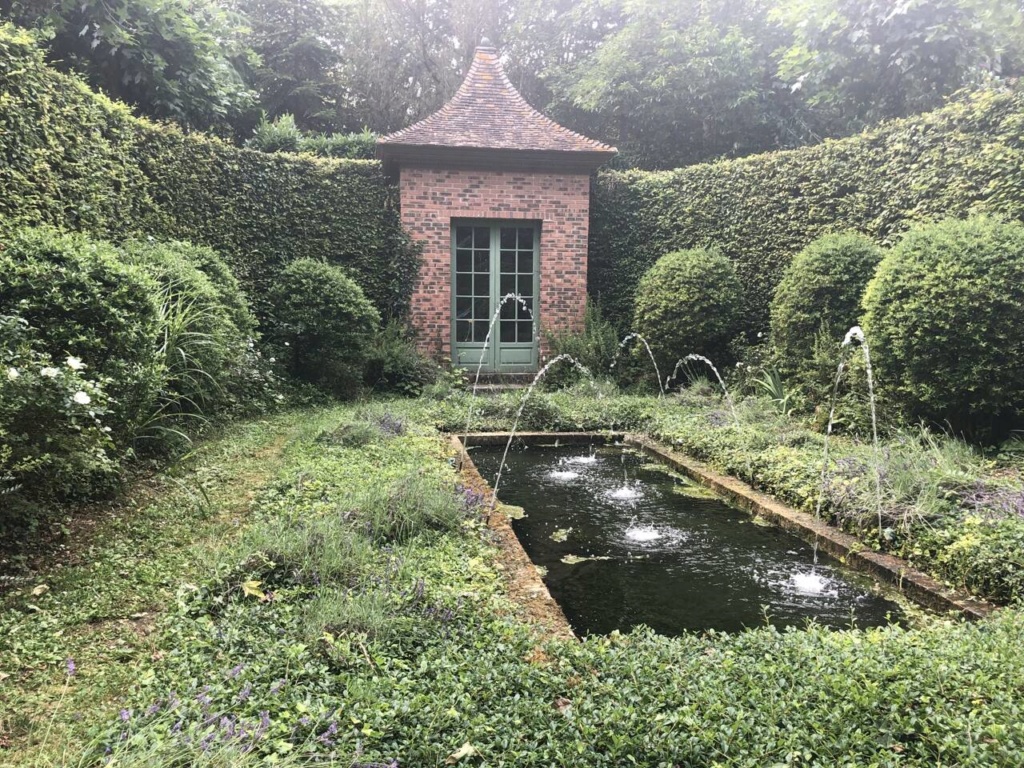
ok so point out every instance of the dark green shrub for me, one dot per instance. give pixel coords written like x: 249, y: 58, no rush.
x: 688, y: 303
x: 322, y: 324
x: 84, y: 303
x: 278, y: 135
x: 816, y: 303
x: 393, y: 364
x: 594, y: 348
x: 204, y: 330
x: 943, y: 321
x: 54, y: 442
x: 351, y: 146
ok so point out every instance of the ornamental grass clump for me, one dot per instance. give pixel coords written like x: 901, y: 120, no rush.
x: 943, y: 316
x: 689, y: 303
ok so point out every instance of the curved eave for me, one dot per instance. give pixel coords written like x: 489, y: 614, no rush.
x: 395, y: 156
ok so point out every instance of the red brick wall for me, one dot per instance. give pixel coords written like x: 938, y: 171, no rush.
x: 561, y: 202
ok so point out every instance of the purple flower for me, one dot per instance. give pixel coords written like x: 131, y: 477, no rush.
x: 327, y: 737
x: 70, y: 666
x: 235, y: 671
x: 153, y: 709
x: 243, y: 695
x: 277, y: 686
x: 125, y: 715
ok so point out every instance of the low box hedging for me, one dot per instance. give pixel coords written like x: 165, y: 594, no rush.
x: 761, y: 210
x: 76, y: 160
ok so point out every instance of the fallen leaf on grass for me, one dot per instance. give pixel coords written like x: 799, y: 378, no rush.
x: 466, y: 750
x: 252, y: 589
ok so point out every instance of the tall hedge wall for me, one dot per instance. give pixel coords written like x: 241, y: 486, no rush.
x: 761, y: 210
x: 76, y: 160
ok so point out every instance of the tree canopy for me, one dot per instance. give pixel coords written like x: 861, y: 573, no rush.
x: 669, y: 82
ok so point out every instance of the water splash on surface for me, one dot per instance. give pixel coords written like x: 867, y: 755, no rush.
x: 644, y: 533
x: 625, y: 493
x: 563, y: 474
x: 588, y: 459
x: 812, y: 584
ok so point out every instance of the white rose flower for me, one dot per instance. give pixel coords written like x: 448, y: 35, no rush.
x: 81, y: 398
x: 49, y: 372
x: 12, y: 374
x: 75, y: 363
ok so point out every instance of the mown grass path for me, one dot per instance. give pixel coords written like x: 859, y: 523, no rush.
x: 96, y: 602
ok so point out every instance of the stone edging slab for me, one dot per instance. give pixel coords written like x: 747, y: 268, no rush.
x: 526, y: 587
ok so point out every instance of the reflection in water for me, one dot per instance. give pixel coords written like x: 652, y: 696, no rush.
x: 642, y: 552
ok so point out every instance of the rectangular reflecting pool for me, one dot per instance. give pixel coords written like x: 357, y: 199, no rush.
x: 626, y: 542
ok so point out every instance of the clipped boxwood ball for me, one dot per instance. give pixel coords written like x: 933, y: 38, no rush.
x: 820, y: 295
x: 688, y: 302
x: 322, y: 324
x: 945, y: 321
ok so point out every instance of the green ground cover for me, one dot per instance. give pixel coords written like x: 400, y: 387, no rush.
x: 331, y: 595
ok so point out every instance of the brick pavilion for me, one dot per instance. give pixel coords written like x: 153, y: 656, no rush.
x: 499, y: 197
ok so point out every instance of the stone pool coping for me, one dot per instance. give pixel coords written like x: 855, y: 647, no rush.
x: 916, y: 584
x: 525, y: 585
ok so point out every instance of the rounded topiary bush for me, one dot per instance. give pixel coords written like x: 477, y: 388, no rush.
x: 945, y: 321
x: 688, y: 302
x: 322, y: 324
x: 816, y: 303
x: 81, y: 301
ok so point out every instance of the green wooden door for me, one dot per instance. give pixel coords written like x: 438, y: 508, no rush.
x: 491, y: 260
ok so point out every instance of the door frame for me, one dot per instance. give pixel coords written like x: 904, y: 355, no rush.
x: 490, y: 363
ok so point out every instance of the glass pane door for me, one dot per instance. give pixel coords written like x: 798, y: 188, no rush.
x: 489, y: 262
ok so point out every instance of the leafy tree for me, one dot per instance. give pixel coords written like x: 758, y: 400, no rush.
x: 299, y: 44
x: 866, y: 60
x: 174, y: 59
x: 679, y: 83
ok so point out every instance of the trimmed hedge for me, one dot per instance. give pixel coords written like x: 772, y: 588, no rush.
x: 77, y: 160
x: 943, y: 316
x: 817, y: 302
x: 323, y: 324
x: 687, y: 303
x: 761, y: 210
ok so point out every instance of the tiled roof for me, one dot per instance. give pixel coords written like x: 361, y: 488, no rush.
x: 487, y: 112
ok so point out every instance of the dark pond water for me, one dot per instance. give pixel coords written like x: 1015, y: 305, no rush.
x: 664, y: 552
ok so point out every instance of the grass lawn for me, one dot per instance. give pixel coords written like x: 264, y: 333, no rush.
x: 317, y: 587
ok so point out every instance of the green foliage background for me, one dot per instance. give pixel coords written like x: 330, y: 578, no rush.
x: 965, y: 158
x: 944, y: 314
x: 79, y: 161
